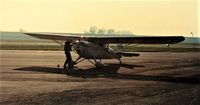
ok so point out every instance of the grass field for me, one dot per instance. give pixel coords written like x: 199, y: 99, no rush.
x: 49, y: 45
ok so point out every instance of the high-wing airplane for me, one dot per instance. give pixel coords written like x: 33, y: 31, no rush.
x: 96, y: 46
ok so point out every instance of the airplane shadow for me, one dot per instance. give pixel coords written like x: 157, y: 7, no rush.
x: 111, y: 71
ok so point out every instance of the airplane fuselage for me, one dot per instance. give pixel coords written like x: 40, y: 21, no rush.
x: 90, y: 50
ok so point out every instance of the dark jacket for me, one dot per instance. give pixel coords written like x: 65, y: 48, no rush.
x: 67, y: 47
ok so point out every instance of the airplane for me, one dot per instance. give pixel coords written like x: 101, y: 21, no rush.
x: 96, y: 46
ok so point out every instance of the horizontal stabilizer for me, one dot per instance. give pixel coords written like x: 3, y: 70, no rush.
x: 128, y: 54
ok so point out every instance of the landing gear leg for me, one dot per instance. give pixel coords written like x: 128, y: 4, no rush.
x: 98, y: 64
x: 77, y: 60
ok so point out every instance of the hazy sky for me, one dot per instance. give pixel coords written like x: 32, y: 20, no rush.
x: 159, y: 17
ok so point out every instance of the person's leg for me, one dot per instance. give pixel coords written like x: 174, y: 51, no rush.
x: 70, y: 65
x: 65, y: 64
x: 66, y: 61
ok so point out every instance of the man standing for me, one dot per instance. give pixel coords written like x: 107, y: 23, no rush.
x: 67, y: 49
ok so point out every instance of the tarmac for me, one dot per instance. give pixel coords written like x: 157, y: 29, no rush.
x: 154, y: 78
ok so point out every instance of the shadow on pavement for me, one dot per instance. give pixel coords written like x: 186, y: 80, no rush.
x: 111, y: 71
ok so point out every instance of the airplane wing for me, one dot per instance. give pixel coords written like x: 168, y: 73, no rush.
x: 112, y: 39
x: 141, y: 39
x: 55, y: 36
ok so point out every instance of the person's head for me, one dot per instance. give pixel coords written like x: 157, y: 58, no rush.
x: 67, y: 43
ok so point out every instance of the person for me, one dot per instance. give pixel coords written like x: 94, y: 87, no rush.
x: 67, y: 49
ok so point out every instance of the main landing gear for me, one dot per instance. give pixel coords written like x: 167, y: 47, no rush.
x: 96, y: 62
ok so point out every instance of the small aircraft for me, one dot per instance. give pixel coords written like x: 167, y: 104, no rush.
x: 96, y: 46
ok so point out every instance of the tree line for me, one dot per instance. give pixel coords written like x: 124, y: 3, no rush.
x: 95, y: 30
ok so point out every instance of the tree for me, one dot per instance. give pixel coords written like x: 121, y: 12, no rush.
x: 93, y: 30
x: 110, y: 31
x: 101, y: 31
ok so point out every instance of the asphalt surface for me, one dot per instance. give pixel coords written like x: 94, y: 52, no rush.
x: 153, y: 78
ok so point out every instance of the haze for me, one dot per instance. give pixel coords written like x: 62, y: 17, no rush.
x: 151, y: 17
